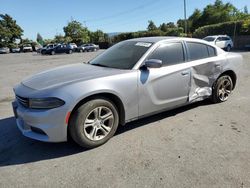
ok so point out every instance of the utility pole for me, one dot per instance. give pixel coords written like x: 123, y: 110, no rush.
x: 185, y: 15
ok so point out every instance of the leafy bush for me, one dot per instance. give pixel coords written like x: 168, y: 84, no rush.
x: 226, y: 28
x: 138, y: 34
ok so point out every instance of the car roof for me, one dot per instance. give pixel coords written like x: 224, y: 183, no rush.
x: 152, y: 39
x: 218, y: 36
x: 159, y: 39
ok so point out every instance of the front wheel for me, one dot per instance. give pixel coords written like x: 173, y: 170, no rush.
x: 222, y: 89
x: 94, y: 123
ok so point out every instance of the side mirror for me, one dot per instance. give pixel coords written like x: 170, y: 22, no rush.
x: 153, y: 63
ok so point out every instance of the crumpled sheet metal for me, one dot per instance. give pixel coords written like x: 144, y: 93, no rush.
x: 203, y: 76
x: 201, y: 85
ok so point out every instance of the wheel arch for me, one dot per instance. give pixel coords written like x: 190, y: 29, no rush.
x: 104, y: 95
x: 230, y: 73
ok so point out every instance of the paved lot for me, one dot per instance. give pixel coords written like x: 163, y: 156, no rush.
x: 201, y: 145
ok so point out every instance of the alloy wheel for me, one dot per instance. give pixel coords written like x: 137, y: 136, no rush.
x: 98, y: 123
x: 225, y: 89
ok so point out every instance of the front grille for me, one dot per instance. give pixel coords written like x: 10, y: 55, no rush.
x: 23, y: 101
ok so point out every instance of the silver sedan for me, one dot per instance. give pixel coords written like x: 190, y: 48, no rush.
x: 131, y: 80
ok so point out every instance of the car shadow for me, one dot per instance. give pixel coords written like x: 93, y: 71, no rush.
x: 16, y: 149
x: 157, y: 117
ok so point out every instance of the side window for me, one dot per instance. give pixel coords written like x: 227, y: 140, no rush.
x: 169, y: 53
x: 224, y: 38
x: 211, y: 51
x: 219, y: 39
x: 197, y: 51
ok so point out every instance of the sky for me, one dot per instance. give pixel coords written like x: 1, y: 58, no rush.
x: 48, y: 17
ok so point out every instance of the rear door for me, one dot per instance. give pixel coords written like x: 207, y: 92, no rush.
x: 165, y: 87
x: 205, y: 68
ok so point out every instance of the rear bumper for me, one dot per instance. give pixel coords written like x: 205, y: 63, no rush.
x: 42, y: 125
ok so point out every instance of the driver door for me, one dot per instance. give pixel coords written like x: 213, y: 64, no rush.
x: 165, y: 87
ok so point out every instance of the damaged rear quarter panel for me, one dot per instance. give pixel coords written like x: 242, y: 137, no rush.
x: 205, y: 72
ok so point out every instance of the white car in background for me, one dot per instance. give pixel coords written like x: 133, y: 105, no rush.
x: 222, y: 41
x: 27, y: 48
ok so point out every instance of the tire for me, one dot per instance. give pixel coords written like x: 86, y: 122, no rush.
x: 228, y: 49
x: 222, y: 89
x: 52, y: 53
x: 88, y: 129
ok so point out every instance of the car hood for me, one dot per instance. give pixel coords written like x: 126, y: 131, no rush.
x: 68, y: 74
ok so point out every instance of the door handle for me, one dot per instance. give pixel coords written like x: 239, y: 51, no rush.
x: 183, y: 73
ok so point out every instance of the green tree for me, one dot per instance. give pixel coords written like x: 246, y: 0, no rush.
x: 217, y: 13
x: 98, y: 36
x: 151, y: 26
x: 9, y: 30
x: 76, y: 32
x: 58, y: 39
x: 166, y: 26
x: 39, y: 39
x: 26, y: 41
x: 194, y: 20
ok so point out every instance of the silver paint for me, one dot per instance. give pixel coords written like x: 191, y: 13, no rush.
x: 142, y: 92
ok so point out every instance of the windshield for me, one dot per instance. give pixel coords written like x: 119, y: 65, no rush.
x: 123, y: 55
x: 209, y: 39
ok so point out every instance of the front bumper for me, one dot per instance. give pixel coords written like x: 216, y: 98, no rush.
x: 44, y: 125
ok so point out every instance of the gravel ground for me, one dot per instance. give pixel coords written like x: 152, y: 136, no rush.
x: 200, y: 145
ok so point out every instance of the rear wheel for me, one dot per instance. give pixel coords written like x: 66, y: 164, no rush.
x: 222, y: 89
x: 228, y: 48
x: 94, y: 123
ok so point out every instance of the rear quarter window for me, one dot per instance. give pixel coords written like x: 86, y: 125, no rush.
x: 211, y: 51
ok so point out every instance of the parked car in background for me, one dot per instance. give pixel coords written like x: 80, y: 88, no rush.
x: 27, y: 48
x: 15, y: 50
x: 43, y: 49
x: 88, y: 48
x: 4, y: 50
x: 89, y: 101
x: 222, y: 41
x: 81, y: 48
x: 58, y: 49
x: 73, y: 46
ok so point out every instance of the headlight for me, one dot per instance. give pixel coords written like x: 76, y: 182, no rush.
x: 46, y: 103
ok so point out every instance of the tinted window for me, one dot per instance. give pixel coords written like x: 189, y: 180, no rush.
x: 197, y: 51
x: 209, y: 39
x: 225, y: 38
x: 219, y: 39
x: 170, y: 54
x: 211, y: 51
